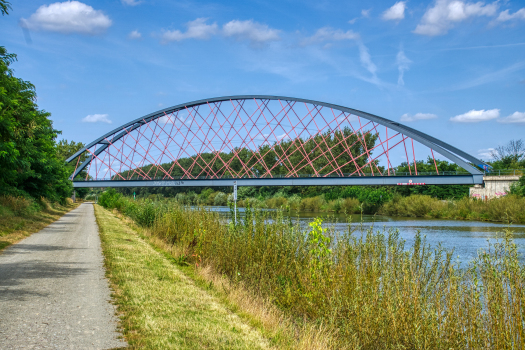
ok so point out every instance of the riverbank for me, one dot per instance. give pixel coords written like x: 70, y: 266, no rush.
x: 506, y: 209
x: 368, y: 291
x: 375, y: 200
x: 21, y: 217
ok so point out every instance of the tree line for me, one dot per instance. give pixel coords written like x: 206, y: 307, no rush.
x: 31, y: 160
x: 339, y: 152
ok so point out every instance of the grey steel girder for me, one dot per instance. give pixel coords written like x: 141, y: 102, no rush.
x: 294, y: 181
x: 448, y: 151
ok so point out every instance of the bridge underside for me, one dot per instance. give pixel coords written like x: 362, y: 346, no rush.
x: 296, y: 181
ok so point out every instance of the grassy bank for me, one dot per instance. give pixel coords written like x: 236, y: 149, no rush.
x: 507, y: 209
x: 368, y: 291
x: 20, y: 217
x: 160, y: 307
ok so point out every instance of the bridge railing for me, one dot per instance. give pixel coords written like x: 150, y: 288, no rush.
x: 505, y: 172
x: 392, y: 173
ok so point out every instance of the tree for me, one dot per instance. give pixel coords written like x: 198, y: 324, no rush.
x: 5, y: 6
x: 64, y: 150
x: 437, y: 191
x: 28, y: 158
x: 509, y: 156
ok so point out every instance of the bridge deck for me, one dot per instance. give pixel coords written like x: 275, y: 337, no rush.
x: 295, y: 181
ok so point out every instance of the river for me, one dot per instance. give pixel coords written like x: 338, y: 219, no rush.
x: 465, y: 237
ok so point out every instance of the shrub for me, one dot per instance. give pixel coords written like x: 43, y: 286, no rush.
x: 109, y: 198
x: 276, y: 202
x: 311, y: 204
x: 19, y: 205
x: 518, y: 188
x: 220, y: 199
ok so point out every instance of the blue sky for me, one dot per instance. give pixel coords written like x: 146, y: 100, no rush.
x: 453, y: 69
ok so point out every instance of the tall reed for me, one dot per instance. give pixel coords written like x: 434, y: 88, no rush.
x: 508, y: 209
x: 366, y: 285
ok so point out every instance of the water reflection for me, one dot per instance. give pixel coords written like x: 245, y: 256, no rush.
x: 465, y: 237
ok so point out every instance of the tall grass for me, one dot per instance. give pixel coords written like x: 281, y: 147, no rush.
x: 11, y: 205
x: 312, y: 204
x: 509, y: 208
x: 370, y: 289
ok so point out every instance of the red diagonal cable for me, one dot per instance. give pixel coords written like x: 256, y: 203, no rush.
x: 437, y: 171
x: 406, y: 153
x: 414, y: 153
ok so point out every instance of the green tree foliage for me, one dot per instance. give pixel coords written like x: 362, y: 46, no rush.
x: 370, y: 197
x: 65, y: 150
x: 279, y: 160
x: 428, y: 166
x: 436, y: 191
x: 28, y: 160
x: 518, y: 188
x: 5, y: 6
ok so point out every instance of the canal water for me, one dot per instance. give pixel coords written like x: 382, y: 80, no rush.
x: 465, y: 237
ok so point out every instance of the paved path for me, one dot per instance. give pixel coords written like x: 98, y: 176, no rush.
x: 53, y: 293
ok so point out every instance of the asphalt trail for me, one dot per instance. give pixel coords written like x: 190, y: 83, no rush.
x: 53, y: 292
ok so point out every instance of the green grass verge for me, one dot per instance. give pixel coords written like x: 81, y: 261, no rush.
x: 160, y: 307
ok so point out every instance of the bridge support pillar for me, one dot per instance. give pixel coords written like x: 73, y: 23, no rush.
x: 493, y: 186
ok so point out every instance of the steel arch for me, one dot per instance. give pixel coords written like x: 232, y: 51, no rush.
x: 452, y: 153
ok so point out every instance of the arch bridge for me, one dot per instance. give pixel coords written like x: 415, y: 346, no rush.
x: 259, y: 140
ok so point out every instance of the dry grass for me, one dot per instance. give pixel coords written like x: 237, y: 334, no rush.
x: 161, y: 308
x: 21, y: 217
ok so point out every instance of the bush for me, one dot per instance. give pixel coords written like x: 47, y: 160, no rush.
x: 19, y: 205
x: 108, y: 199
x: 220, y: 199
x: 276, y: 202
x: 518, y: 188
x: 311, y: 204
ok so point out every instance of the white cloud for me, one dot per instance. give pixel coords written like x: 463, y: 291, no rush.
x: 516, y: 117
x: 250, y: 30
x: 485, y: 153
x: 329, y: 34
x: 418, y: 116
x: 365, y: 58
x: 403, y: 64
x: 364, y: 14
x: 135, y: 35
x: 475, y: 116
x: 396, y: 12
x: 438, y: 19
x: 506, y: 16
x: 96, y: 118
x: 131, y: 2
x: 197, y: 29
x: 68, y: 17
